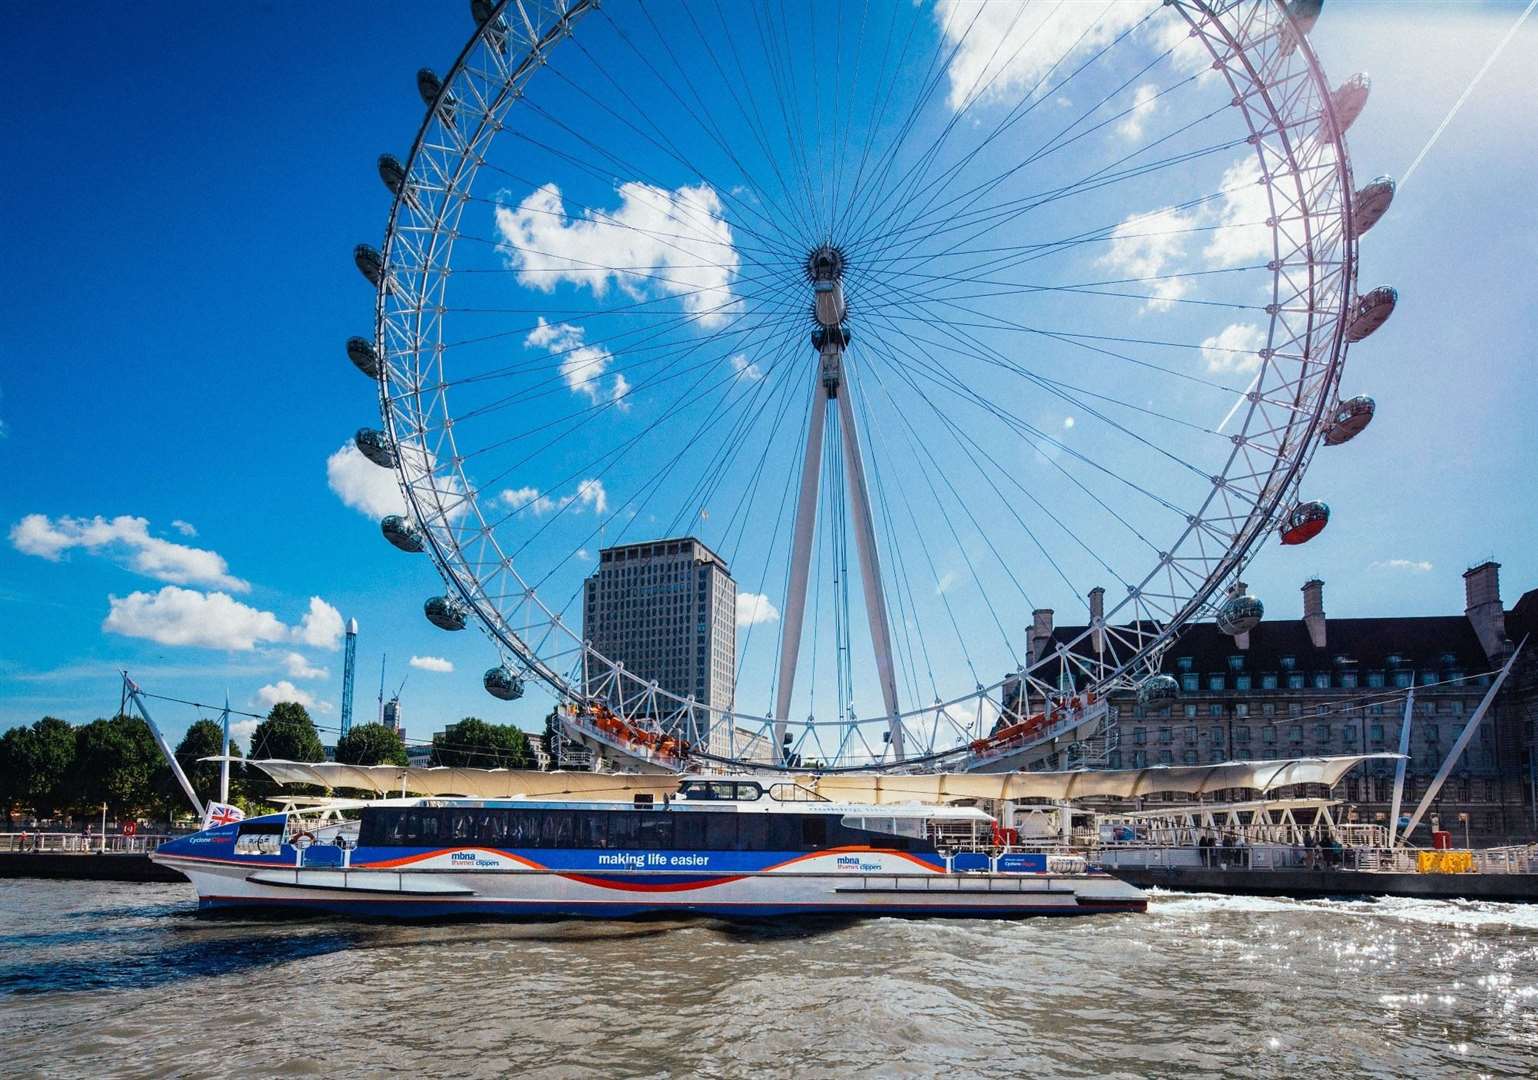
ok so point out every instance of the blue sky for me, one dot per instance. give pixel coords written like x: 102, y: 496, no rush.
x: 186, y: 198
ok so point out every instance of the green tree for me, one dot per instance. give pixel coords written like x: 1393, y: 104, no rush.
x: 371, y: 744
x: 115, y: 763
x: 35, y: 764
x: 473, y: 743
x: 287, y: 734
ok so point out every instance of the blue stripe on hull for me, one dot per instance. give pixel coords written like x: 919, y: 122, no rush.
x: 434, y: 909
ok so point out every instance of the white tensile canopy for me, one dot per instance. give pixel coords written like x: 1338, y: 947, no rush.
x: 1083, y: 783
x: 875, y: 788
x: 471, y: 783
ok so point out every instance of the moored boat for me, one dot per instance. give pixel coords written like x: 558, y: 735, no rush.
x: 721, y: 846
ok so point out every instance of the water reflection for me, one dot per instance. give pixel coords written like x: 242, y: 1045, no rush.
x: 1200, y: 986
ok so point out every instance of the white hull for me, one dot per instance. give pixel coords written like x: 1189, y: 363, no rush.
x: 889, y: 886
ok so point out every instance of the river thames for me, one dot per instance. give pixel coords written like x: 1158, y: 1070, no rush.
x: 127, y: 980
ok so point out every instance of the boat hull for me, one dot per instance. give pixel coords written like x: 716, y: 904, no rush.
x: 538, y: 893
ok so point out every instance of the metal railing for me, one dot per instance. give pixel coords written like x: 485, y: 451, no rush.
x: 81, y: 844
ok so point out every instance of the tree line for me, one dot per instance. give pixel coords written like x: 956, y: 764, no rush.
x: 56, y: 769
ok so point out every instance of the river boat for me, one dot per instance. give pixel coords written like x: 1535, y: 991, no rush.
x: 718, y: 846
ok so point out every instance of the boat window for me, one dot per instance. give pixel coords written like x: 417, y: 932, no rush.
x: 749, y: 792
x: 721, y: 832
x: 259, y: 838
x: 753, y: 832
x: 814, y: 832
x: 915, y: 827
x: 591, y: 829
x: 793, y: 793
x: 689, y: 831
x: 654, y: 830
x: 622, y: 829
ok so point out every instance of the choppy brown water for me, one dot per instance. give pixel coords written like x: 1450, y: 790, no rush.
x: 126, y: 980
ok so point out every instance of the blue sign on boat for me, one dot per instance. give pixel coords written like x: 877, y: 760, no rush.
x: 1022, y: 862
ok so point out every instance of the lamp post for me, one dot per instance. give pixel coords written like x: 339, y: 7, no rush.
x: 103, y: 828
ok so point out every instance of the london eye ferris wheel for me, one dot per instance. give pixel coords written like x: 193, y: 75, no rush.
x: 919, y: 318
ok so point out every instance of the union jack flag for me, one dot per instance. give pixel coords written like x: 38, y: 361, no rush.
x: 221, y: 814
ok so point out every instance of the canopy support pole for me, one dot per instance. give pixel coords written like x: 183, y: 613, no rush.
x: 133, y: 696
x: 1463, y: 740
x: 1399, y: 769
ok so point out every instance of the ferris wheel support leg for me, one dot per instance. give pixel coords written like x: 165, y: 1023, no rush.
x: 870, y: 567
x: 800, y: 562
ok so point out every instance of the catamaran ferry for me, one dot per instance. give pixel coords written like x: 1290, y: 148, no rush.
x: 721, y: 846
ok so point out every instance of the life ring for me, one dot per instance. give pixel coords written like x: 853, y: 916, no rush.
x: 130, y: 827
x: 307, y: 837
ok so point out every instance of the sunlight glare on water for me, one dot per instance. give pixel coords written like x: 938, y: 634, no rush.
x: 127, y: 980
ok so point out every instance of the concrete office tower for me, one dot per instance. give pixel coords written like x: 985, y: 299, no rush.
x: 667, y: 610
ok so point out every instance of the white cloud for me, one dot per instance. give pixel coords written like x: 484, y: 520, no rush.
x: 746, y: 368
x: 243, y: 729
x: 362, y: 485
x: 283, y: 690
x: 1068, y: 423
x: 127, y: 537
x: 176, y: 616
x: 1144, y: 101
x: 1242, y: 236
x: 371, y: 490
x: 1235, y: 348
x: 1003, y: 50
x: 755, y: 608
x: 431, y: 663
x: 1187, y: 54
x: 216, y: 620
x: 299, y: 667
x: 590, y: 495
x: 1414, y: 566
x: 321, y: 626
x: 183, y: 527
x: 943, y: 586
x: 1147, y: 246
x: 582, y: 366
x: 584, y: 555
x: 675, y: 242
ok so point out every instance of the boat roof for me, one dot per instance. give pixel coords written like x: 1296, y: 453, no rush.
x: 843, y: 788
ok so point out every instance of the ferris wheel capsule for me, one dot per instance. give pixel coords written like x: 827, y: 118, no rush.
x: 1303, y: 13
x: 430, y: 87
x: 401, y: 533
x: 1158, y: 689
x: 361, y: 352
x: 1370, y: 312
x: 392, y: 173
x: 1371, y: 203
x: 444, y: 613
x: 1240, y: 615
x: 1349, y: 418
x: 369, y: 263
x: 376, y: 446
x: 1304, y: 522
x: 1348, y: 101
x: 503, y: 683
x: 494, y: 27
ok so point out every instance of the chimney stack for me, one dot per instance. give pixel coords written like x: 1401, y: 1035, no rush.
x: 1313, y: 611
x: 1482, y: 604
x: 1041, y: 631
x: 1096, y: 616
